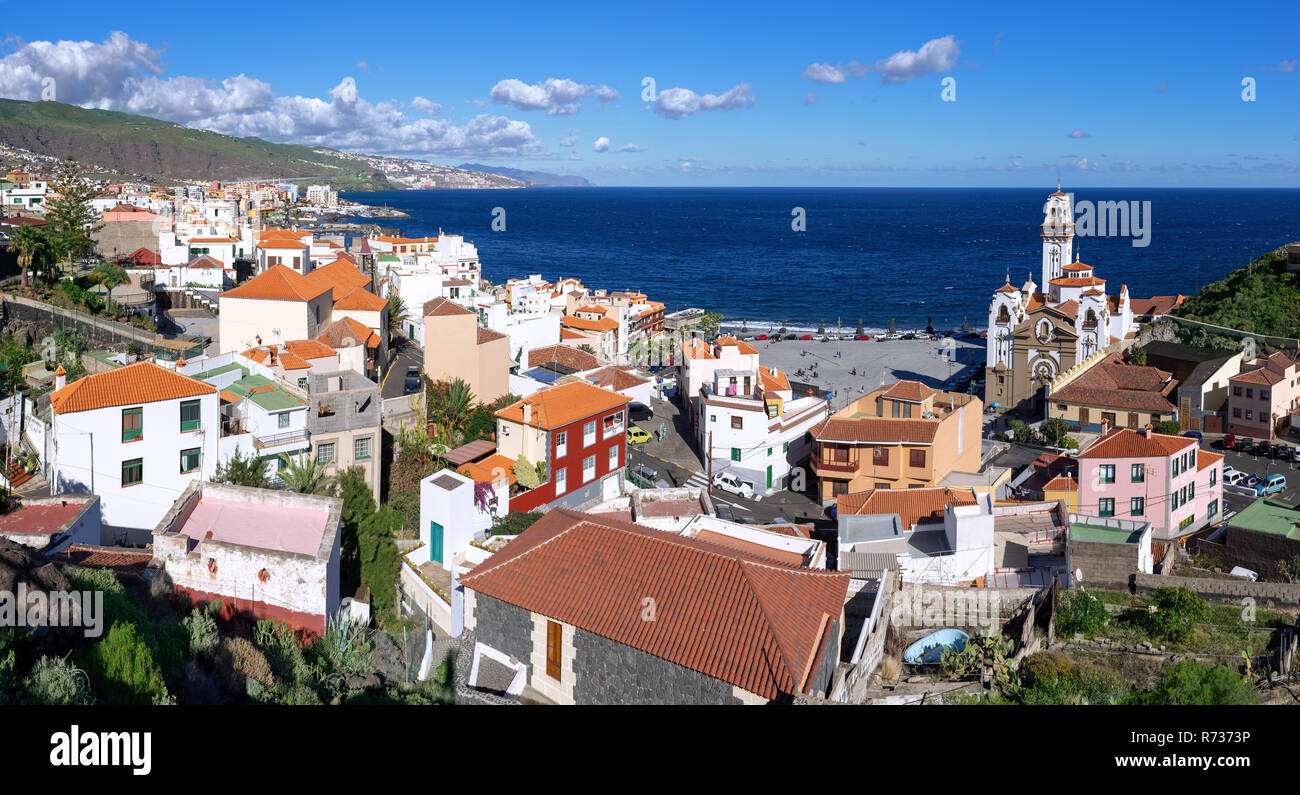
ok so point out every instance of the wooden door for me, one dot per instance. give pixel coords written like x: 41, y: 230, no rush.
x: 554, y: 637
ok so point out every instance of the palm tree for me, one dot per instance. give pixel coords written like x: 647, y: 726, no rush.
x: 304, y: 474
x: 32, y: 247
x: 110, y: 275
x: 451, y: 407
x: 397, y: 314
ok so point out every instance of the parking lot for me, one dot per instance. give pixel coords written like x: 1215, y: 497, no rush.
x: 1261, y: 466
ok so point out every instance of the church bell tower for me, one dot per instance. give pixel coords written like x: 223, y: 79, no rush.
x: 1058, y: 235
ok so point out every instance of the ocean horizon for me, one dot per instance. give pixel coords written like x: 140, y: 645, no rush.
x: 913, y: 256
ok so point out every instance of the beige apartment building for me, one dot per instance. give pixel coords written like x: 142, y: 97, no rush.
x: 455, y: 346
x: 902, y: 435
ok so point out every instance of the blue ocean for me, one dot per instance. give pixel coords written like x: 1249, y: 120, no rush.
x: 910, y: 255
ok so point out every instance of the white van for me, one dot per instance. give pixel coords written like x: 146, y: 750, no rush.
x: 1233, y: 477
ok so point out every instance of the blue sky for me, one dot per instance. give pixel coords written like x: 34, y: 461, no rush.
x: 1151, y: 93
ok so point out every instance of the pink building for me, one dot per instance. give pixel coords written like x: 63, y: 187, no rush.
x: 1262, y: 397
x: 1165, y: 480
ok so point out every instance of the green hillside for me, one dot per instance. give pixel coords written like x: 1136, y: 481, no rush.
x: 1262, y: 298
x: 154, y: 149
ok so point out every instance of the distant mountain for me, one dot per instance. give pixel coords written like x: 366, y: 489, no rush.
x: 151, y: 149
x: 536, y: 179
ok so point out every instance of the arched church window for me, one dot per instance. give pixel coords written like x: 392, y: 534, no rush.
x: 1090, y: 320
x: 1003, y: 315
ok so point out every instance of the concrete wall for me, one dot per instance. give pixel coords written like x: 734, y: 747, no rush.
x: 1104, y: 565
x: 302, y: 590
x: 1226, y: 591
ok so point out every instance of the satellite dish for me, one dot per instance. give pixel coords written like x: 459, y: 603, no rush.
x: 1078, y: 575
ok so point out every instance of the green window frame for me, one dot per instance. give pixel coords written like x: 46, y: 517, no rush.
x: 785, y: 447
x: 132, y: 471
x: 1106, y: 473
x: 1106, y: 506
x: 735, y: 454
x: 1137, y: 506
x: 191, y: 418
x: 325, y: 453
x: 1137, y: 473
x: 769, y: 451
x: 132, y: 424
x: 361, y: 449
x: 191, y: 460
x: 1212, y: 509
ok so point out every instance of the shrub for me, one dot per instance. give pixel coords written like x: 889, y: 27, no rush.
x: 380, y: 561
x: 526, y: 473
x: 342, y: 651
x: 1169, y: 427
x: 1055, y: 678
x: 55, y: 681
x: 123, y: 668
x: 514, y: 523
x: 201, y: 632
x: 239, y: 662
x: 1080, y: 611
x: 1177, y: 612
x: 1194, y: 682
x: 279, y: 643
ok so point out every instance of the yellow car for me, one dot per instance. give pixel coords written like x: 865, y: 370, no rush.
x: 637, y: 436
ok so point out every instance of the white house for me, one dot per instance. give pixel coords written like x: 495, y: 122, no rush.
x: 755, y: 428
x: 450, y: 517
x: 136, y: 436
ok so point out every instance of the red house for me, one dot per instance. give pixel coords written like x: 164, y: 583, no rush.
x: 579, y: 432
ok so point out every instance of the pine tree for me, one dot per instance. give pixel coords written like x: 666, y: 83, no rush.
x: 72, y: 219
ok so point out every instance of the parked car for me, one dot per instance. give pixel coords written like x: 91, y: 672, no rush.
x: 1234, y: 477
x: 1280, y: 450
x: 1295, y: 454
x: 734, y: 485
x: 1251, y: 481
x: 1245, y: 445
x: 645, y: 477
x: 1193, y: 435
x: 1271, y: 485
x: 791, y: 337
x: 723, y: 511
x: 1229, y: 442
x: 636, y: 435
x: 761, y: 337
x: 412, y: 383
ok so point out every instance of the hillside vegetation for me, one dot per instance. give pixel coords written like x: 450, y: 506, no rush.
x: 155, y: 149
x: 1262, y: 298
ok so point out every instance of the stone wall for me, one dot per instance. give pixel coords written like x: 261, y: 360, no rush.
x: 504, y: 627
x: 611, y: 673
x: 1227, y: 591
x: 1252, y: 549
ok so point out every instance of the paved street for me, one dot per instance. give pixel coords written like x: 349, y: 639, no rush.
x: 675, y: 460
x: 405, y: 354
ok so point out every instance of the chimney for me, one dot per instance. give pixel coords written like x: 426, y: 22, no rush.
x: 1105, y: 427
x: 60, y: 378
x: 528, y: 412
x: 1147, y: 431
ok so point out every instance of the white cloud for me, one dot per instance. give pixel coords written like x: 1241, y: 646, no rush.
x: 810, y: 98
x: 122, y: 74
x: 936, y: 55
x: 834, y: 73
x: 426, y: 106
x: 569, y: 139
x: 363, y: 66
x: 678, y: 103
x: 1079, y: 134
x: 575, y: 156
x: 558, y: 97
x: 601, y: 145
x: 1283, y: 66
x: 630, y: 148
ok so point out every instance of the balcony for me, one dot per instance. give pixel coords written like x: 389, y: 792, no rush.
x: 824, y: 465
x: 282, y: 442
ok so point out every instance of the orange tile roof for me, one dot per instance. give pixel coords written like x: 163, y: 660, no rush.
x: 569, y: 334
x: 696, y: 349
x: 730, y: 341
x: 142, y: 382
x: 341, y: 274
x: 442, y: 307
x: 346, y: 332
x: 291, y: 362
x: 615, y: 378
x: 875, y: 430
x: 912, y: 505
x: 1204, y: 459
x: 564, y: 355
x: 309, y: 349
x: 490, y: 469
x: 1079, y: 281
x: 912, y: 391
x: 1128, y: 443
x: 772, y: 379
x: 560, y: 405
x: 759, y: 626
x: 360, y: 299
x: 604, y: 324
x: 278, y: 283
